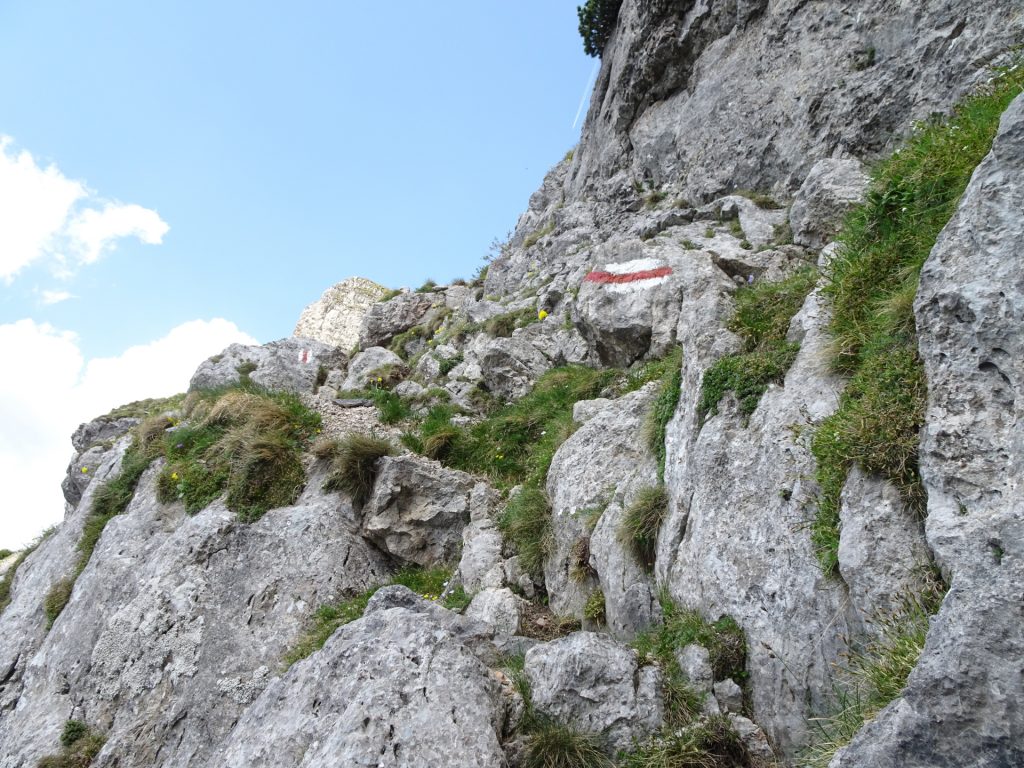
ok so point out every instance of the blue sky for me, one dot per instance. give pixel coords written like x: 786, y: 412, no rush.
x: 232, y: 160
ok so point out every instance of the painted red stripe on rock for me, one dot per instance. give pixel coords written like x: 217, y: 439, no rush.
x: 630, y: 277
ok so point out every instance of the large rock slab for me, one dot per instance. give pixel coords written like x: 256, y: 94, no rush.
x: 335, y: 318
x: 367, y: 361
x: 295, y: 365
x: 395, y: 689
x: 591, y: 682
x: 418, y: 508
x: 830, y: 191
x: 174, y: 627
x: 961, y: 705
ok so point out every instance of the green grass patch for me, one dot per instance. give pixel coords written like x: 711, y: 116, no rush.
x: 245, y: 441
x: 871, y: 284
x: 664, y: 407
x: 353, y: 463
x: 551, y: 744
x: 763, y: 314
x: 724, y: 640
x: 526, y: 521
x: 710, y: 743
x: 143, y: 409
x: 503, y: 325
x: 56, y: 599
x: 79, y: 747
x: 429, y: 583
x: 594, y: 608
x: 531, y: 239
x: 873, y: 676
x: 641, y: 523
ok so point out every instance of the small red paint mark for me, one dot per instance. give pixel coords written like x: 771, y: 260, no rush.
x: 305, y: 356
x: 630, y: 277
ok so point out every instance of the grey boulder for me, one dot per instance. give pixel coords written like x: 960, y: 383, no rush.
x: 832, y: 188
x: 293, y: 365
x: 386, y: 319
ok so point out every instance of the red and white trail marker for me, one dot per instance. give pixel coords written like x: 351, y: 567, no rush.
x: 630, y: 276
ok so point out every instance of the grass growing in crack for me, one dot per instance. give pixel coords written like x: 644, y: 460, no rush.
x: 56, y: 599
x: 7, y: 580
x: 553, y: 745
x: 245, y: 441
x: 429, y: 583
x: 872, y: 282
x: 641, y: 522
x: 762, y: 318
x: 527, y: 522
x: 874, y: 676
x: 531, y: 239
x: 504, y: 325
x: 79, y: 747
x: 594, y: 609
x: 353, y: 463
x: 711, y: 743
x: 664, y: 407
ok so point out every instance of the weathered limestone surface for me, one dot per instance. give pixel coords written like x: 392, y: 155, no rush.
x: 291, y: 364
x: 335, y: 318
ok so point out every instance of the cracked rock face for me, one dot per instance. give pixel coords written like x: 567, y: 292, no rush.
x: 962, y: 701
x: 394, y: 689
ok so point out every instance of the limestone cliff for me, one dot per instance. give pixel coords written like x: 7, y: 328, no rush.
x: 583, y: 501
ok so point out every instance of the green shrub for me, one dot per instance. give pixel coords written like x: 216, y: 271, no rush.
x: 447, y: 364
x: 388, y: 295
x: 353, y: 467
x: 79, y: 747
x: 427, y: 287
x: 763, y: 314
x: 526, y: 521
x: 871, y: 284
x: 597, y: 20
x: 594, y: 609
x: 429, y: 583
x: 391, y: 408
x: 642, y: 521
x: 874, y: 676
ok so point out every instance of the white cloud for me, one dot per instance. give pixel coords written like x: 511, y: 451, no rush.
x: 55, y: 297
x: 49, y: 388
x: 45, y: 216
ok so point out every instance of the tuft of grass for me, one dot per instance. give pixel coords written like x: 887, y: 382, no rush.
x: 531, y: 239
x: 654, y: 197
x: 763, y: 314
x: 387, y: 376
x: 709, y: 233
x: 243, y: 440
x: 5, y: 553
x: 447, y: 364
x: 391, y: 408
x: 527, y: 522
x: 664, y: 407
x: 56, y: 599
x: 760, y: 199
x: 580, y: 569
x: 871, y: 284
x: 711, y: 743
x: 79, y: 747
x: 388, y: 295
x: 553, y: 745
x: 874, y: 676
x: 504, y: 325
x: 353, y: 467
x: 641, y: 523
x: 427, y: 287
x: 429, y: 583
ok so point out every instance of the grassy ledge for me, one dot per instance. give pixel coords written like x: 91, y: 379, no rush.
x: 871, y: 284
x: 763, y: 313
x: 429, y: 583
x: 79, y: 747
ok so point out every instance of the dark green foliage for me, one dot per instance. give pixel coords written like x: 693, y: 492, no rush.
x: 642, y: 521
x: 427, y: 287
x: 448, y: 363
x: 79, y: 747
x: 354, y: 463
x: 429, y: 583
x: 527, y: 522
x: 56, y: 599
x: 594, y: 609
x: 503, y: 325
x: 760, y: 199
x: 392, y: 408
x: 597, y: 20
x: 872, y: 283
x: 763, y: 314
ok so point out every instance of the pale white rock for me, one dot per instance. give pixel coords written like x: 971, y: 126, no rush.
x: 498, y: 607
x: 729, y: 696
x: 336, y: 316
x: 592, y: 682
x: 481, y: 564
x: 695, y: 664
x: 832, y: 188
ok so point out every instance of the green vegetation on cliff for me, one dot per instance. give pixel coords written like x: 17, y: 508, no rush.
x: 872, y: 282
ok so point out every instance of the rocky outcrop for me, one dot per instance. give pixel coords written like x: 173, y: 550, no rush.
x: 365, y: 363
x: 595, y: 684
x: 336, y: 317
x: 410, y: 694
x: 295, y: 365
x: 386, y: 319
x: 709, y: 97
x: 962, y: 701
x: 829, y: 192
x: 418, y: 509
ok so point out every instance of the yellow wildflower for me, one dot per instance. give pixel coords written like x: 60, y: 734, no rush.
x: 85, y: 470
x: 541, y: 315
x: 174, y: 475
